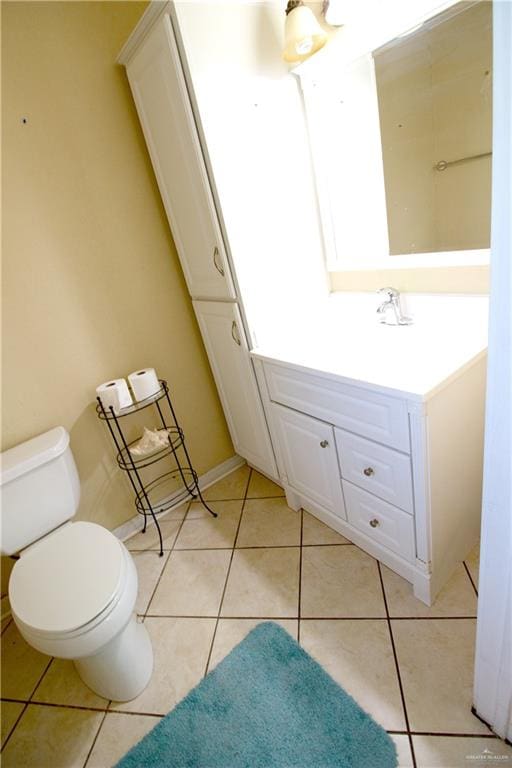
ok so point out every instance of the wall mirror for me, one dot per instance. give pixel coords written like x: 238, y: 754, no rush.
x: 401, y: 141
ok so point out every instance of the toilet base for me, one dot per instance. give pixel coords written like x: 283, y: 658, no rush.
x: 123, y: 667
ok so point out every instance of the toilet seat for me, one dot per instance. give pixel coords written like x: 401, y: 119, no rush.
x: 68, y: 579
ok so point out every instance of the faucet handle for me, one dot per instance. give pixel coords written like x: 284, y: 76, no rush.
x: 392, y: 293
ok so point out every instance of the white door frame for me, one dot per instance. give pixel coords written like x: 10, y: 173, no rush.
x: 493, y: 666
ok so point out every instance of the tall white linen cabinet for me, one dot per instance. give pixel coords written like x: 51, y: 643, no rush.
x: 223, y: 123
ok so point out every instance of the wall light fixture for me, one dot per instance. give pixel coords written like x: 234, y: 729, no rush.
x: 303, y: 35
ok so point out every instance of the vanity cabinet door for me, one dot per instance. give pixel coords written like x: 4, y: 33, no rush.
x: 160, y: 93
x: 308, y: 452
x: 228, y: 353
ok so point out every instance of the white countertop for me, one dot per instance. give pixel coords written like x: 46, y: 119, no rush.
x: 344, y: 339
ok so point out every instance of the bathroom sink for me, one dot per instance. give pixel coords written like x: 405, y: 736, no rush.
x: 346, y: 339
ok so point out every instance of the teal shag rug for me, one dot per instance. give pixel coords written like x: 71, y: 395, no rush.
x: 268, y: 704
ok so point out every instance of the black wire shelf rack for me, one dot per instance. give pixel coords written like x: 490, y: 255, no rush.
x: 161, y: 494
x: 179, y: 481
x: 126, y: 459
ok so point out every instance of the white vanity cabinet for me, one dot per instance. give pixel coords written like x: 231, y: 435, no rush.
x: 399, y: 475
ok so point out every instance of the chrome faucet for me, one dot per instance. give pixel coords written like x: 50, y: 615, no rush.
x: 392, y: 303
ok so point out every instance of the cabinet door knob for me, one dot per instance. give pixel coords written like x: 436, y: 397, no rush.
x: 324, y: 443
x: 218, y: 265
x: 234, y: 333
x: 374, y: 523
x: 369, y: 471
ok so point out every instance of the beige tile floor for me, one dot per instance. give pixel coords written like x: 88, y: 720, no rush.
x: 408, y: 665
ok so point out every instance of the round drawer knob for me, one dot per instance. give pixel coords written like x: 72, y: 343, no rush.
x: 324, y: 443
x: 369, y: 471
x: 374, y: 523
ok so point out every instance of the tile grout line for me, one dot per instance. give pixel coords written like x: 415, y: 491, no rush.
x: 300, y: 573
x: 248, y: 498
x: 62, y: 706
x: 312, y: 618
x: 206, y: 669
x: 65, y: 706
x: 100, y: 726
x: 158, y: 715
x: 81, y: 707
x: 15, y: 725
x: 98, y: 710
x: 448, y: 735
x: 470, y: 577
x: 432, y: 618
x: 262, y: 546
x: 144, y: 615
x: 27, y: 702
x: 4, y: 629
x: 397, y: 667
x: 227, y: 618
x: 332, y: 544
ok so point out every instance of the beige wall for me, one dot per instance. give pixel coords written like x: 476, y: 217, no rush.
x: 435, y: 280
x: 92, y: 287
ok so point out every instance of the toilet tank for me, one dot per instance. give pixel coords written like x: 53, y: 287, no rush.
x: 39, y: 489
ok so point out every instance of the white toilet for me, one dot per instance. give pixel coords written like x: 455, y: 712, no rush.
x: 73, y: 589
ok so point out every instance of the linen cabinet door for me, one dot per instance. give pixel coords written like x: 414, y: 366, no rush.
x: 161, y: 97
x: 308, y: 452
x: 227, y: 349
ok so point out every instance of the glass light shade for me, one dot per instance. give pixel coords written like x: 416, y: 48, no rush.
x: 335, y: 12
x: 303, y: 35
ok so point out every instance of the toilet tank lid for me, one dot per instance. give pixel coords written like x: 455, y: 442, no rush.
x: 32, y: 453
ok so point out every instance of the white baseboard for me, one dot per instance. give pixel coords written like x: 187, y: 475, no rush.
x: 136, y: 523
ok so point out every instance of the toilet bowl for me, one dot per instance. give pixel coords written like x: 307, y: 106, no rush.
x: 73, y: 589
x: 72, y: 596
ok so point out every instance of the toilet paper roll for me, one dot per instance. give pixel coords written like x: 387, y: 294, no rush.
x: 144, y: 383
x: 114, y: 393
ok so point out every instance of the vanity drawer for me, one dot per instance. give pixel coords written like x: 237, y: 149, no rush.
x: 375, y: 468
x: 380, y: 521
x: 367, y: 413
